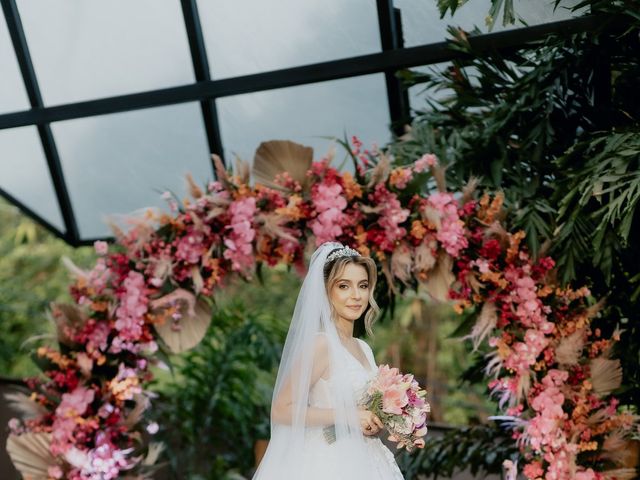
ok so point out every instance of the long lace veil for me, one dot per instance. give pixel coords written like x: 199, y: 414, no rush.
x: 289, y: 449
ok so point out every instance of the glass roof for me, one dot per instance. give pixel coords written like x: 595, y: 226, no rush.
x: 12, y: 93
x: 305, y: 114
x: 208, y: 77
x: 24, y: 173
x: 90, y: 49
x: 121, y: 162
x: 286, y: 33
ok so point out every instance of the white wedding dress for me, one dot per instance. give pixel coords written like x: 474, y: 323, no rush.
x: 323, y: 461
x: 297, y: 451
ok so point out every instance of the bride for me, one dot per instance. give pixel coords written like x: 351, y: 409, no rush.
x: 322, y: 373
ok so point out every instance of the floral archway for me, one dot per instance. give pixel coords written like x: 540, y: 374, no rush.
x: 550, y: 372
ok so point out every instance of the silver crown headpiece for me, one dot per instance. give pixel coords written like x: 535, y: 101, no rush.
x: 343, y: 252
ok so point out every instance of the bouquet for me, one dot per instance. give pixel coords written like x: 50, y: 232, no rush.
x: 399, y: 402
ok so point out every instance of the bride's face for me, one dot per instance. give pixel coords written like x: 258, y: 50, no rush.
x: 349, y: 294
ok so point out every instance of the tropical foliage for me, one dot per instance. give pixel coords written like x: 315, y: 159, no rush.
x: 555, y: 127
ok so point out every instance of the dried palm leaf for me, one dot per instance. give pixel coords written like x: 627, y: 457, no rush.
x: 431, y: 215
x: 30, y: 454
x: 242, y: 169
x: 386, y: 270
x: 620, y: 474
x: 220, y: 169
x: 569, y: 349
x: 381, y: 171
x: 272, y: 226
x: 472, y: 280
x: 486, y: 323
x: 23, y: 404
x: 424, y: 259
x: 194, y: 190
x: 193, y: 325
x: 441, y: 278
x: 67, y: 318
x: 155, y: 449
x: 606, y: 375
x: 277, y: 156
x: 469, y: 189
x: 135, y: 415
x: 620, y: 450
x: 401, y: 263
x: 438, y: 172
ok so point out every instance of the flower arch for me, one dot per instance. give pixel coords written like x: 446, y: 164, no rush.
x: 550, y: 371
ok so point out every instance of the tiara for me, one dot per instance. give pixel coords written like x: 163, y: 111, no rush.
x: 343, y: 252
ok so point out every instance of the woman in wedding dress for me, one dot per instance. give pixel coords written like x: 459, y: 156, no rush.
x: 318, y: 431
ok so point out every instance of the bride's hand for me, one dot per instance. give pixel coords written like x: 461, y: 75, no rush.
x: 369, y: 422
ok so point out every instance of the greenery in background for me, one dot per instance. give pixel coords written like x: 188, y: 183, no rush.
x: 31, y: 276
x: 556, y: 127
x: 439, y: 364
x: 218, y: 403
x: 482, y: 448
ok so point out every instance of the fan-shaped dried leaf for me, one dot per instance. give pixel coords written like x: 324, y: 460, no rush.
x: 23, y: 404
x: 155, y: 449
x: 485, y: 324
x: 620, y: 450
x: 277, y: 156
x: 620, y: 474
x: 606, y: 375
x: 220, y: 169
x: 30, y: 454
x: 194, y: 190
x: 193, y: 326
x: 68, y: 318
x: 242, y: 169
x: 424, y: 260
x: 469, y: 189
x: 135, y: 415
x: 441, y: 278
x: 381, y: 171
x: 569, y: 349
x: 401, y: 263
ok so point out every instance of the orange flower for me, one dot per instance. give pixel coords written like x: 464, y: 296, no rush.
x: 292, y: 210
x: 514, y: 245
x: 351, y: 188
x: 488, y: 211
x: 418, y: 230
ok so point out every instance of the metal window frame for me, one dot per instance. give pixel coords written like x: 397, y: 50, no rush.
x: 393, y: 56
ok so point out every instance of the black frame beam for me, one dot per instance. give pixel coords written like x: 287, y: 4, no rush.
x: 350, y: 67
x: 391, y: 38
x: 202, y: 74
x: 16, y: 31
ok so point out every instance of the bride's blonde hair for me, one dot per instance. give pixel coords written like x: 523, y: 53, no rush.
x: 332, y: 272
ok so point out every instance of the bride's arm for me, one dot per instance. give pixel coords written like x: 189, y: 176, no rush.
x: 282, y: 408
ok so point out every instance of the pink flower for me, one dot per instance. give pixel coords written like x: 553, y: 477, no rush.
x: 101, y: 247
x: 391, y: 216
x: 450, y: 228
x: 329, y: 203
x: 239, y: 242
x: 75, y: 403
x: 424, y: 162
x: 533, y: 470
x: 55, y: 471
x: 130, y: 313
x: 394, y: 399
x: 400, y: 177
